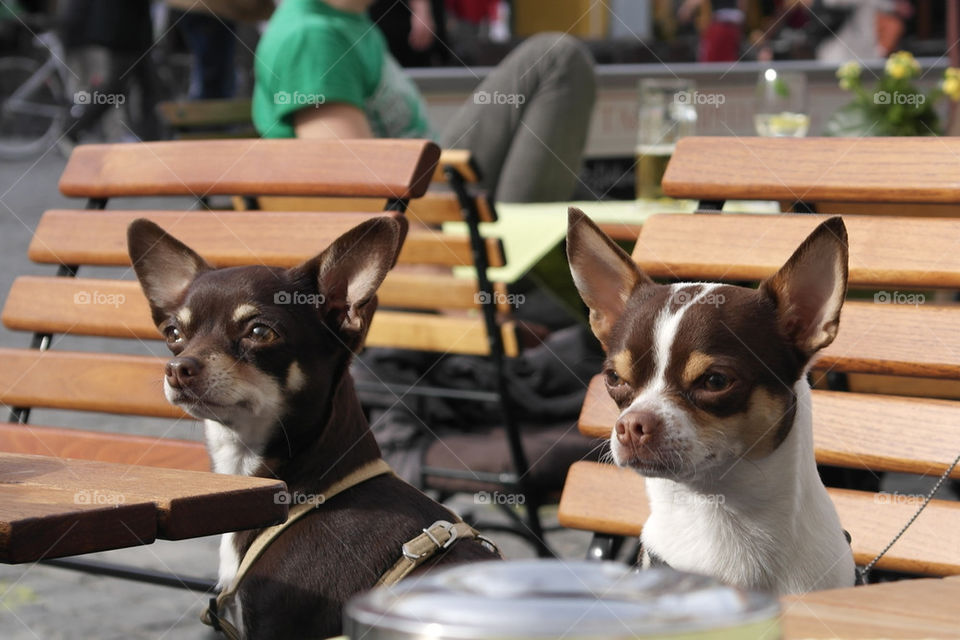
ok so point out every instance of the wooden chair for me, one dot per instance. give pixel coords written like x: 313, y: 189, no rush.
x: 860, y: 431
x: 107, y: 381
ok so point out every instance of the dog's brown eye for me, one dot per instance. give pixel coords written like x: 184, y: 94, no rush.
x: 612, y: 378
x: 262, y: 333
x: 173, y: 335
x: 716, y: 382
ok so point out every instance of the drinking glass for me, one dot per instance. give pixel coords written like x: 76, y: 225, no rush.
x: 667, y: 112
x: 781, y: 104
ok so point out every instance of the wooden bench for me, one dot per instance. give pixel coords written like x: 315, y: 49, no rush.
x: 862, y: 431
x: 117, y: 383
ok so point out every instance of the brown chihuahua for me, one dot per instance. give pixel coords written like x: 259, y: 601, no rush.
x: 262, y: 356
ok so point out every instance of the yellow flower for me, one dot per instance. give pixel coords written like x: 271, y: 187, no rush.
x: 902, y: 65
x: 951, y: 87
x: 849, y: 70
x: 848, y: 73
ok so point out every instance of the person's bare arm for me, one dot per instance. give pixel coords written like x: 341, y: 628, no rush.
x: 333, y: 120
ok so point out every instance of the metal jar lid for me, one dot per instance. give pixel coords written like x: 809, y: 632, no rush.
x: 558, y: 599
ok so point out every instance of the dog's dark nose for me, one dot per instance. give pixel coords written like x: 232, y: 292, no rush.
x: 638, y: 427
x: 180, y: 370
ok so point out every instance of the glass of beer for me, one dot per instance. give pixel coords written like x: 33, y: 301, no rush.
x: 667, y: 113
x: 781, y: 104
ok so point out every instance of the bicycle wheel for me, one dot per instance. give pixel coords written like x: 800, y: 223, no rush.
x: 32, y: 107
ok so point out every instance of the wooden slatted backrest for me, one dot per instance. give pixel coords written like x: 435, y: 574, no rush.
x: 877, y: 335
x: 128, y: 384
x: 370, y: 168
x: 819, y: 170
x: 116, y: 308
x: 886, y: 253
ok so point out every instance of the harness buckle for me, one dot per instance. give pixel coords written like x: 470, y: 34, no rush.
x: 448, y: 527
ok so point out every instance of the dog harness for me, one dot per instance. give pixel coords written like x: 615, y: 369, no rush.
x: 437, y: 537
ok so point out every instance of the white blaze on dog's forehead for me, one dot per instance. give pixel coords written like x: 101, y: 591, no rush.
x: 295, y: 377
x: 243, y: 312
x: 665, y: 334
x: 184, y: 316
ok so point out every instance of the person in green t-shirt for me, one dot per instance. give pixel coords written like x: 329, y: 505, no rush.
x: 323, y: 69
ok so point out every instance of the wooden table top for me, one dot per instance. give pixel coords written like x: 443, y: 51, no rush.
x: 923, y: 608
x: 53, y: 507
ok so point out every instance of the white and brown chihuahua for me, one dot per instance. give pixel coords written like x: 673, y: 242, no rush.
x: 711, y: 382
x: 262, y: 356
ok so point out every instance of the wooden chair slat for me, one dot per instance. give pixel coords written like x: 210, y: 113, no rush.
x: 302, y: 203
x: 883, y: 251
x: 586, y: 502
x: 412, y: 290
x: 118, y: 309
x: 846, y: 430
x: 896, y: 339
x: 109, y: 383
x: 898, y: 169
x: 120, y: 448
x: 79, y: 306
x: 459, y: 159
x: 252, y: 167
x: 451, y: 334
x: 230, y: 239
x: 186, y: 114
x: 431, y: 209
x: 931, y: 546
x: 46, y: 524
x: 188, y: 503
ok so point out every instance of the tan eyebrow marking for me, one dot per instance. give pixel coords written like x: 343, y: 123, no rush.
x: 623, y: 365
x: 184, y: 316
x: 243, y: 312
x: 697, y: 364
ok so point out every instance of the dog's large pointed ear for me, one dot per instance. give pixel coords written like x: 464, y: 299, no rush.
x: 164, y: 265
x: 349, y: 272
x: 603, y: 273
x: 809, y: 289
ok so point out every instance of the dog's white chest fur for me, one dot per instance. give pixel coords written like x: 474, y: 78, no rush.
x: 231, y: 453
x: 767, y: 525
x: 235, y: 455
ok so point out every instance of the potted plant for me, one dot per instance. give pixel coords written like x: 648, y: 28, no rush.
x: 894, y: 106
